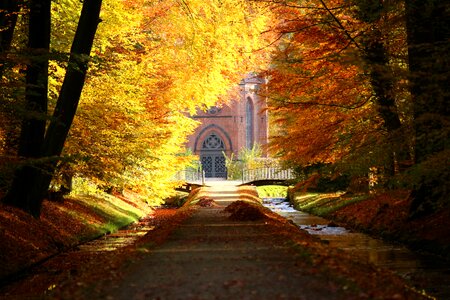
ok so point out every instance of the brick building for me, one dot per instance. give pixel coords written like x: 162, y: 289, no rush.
x: 230, y: 128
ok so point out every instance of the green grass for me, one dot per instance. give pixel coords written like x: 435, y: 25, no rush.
x: 177, y: 200
x: 115, y: 225
x: 323, y: 204
x: 113, y: 213
x: 272, y: 191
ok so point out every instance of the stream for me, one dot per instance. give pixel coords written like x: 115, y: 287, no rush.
x: 424, y: 271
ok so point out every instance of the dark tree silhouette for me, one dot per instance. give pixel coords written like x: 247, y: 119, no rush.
x: 8, y: 19
x: 376, y: 58
x: 31, y: 184
x: 428, y: 29
x: 33, y: 126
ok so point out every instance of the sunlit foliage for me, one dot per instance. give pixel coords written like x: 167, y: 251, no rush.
x: 320, y: 87
x: 154, y: 61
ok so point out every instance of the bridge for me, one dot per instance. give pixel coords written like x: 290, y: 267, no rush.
x: 267, y: 176
x: 259, y: 176
x: 190, y: 179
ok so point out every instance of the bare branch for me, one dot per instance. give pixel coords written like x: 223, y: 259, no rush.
x: 352, y: 106
x: 340, y: 24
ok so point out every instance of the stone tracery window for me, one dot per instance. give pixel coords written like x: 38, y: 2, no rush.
x: 249, y: 124
x: 213, y: 142
x: 213, y: 110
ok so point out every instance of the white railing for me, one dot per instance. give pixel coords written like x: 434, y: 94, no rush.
x: 190, y: 176
x: 267, y: 173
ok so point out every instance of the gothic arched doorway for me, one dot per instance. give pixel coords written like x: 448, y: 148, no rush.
x: 212, y: 158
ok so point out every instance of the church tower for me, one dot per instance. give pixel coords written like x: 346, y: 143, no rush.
x: 227, y: 129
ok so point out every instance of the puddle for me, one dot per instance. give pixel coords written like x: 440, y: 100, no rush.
x: 424, y: 272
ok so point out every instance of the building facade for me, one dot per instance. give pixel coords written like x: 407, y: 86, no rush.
x: 227, y: 129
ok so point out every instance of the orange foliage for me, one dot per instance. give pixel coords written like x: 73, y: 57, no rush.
x: 318, y: 91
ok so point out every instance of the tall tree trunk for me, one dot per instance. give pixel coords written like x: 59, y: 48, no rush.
x: 376, y: 58
x: 9, y: 10
x: 382, y: 82
x: 37, y: 186
x: 8, y: 19
x: 428, y: 30
x: 33, y: 126
x: 71, y: 89
x: 74, y: 80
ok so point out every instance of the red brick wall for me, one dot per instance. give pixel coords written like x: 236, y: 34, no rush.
x: 229, y: 122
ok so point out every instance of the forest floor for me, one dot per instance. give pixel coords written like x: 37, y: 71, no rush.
x: 205, y: 252
x: 63, y: 225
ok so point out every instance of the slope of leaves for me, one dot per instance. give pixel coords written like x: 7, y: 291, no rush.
x: 26, y: 240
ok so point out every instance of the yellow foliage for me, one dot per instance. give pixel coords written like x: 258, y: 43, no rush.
x: 206, y: 48
x: 158, y: 60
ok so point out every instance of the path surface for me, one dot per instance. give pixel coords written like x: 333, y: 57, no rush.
x: 209, y: 256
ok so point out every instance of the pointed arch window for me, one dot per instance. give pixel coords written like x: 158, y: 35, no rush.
x: 249, y: 128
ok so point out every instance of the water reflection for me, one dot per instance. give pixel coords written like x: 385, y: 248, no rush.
x: 426, y: 272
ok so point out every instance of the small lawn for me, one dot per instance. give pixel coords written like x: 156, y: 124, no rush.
x: 323, y: 204
x: 272, y: 191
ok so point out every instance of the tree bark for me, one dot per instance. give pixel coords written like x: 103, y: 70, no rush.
x: 382, y: 85
x: 8, y: 19
x: 428, y: 30
x: 33, y: 126
x: 376, y: 58
x: 70, y: 93
x: 37, y: 184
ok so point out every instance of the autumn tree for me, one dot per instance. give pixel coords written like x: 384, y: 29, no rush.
x: 398, y: 115
x: 318, y: 91
x: 165, y: 59
x: 428, y: 28
x: 31, y: 183
x: 33, y: 126
x: 378, y: 63
x: 154, y: 63
x: 335, y: 84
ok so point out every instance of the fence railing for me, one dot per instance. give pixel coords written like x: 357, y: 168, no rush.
x: 190, y: 176
x: 267, y: 173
